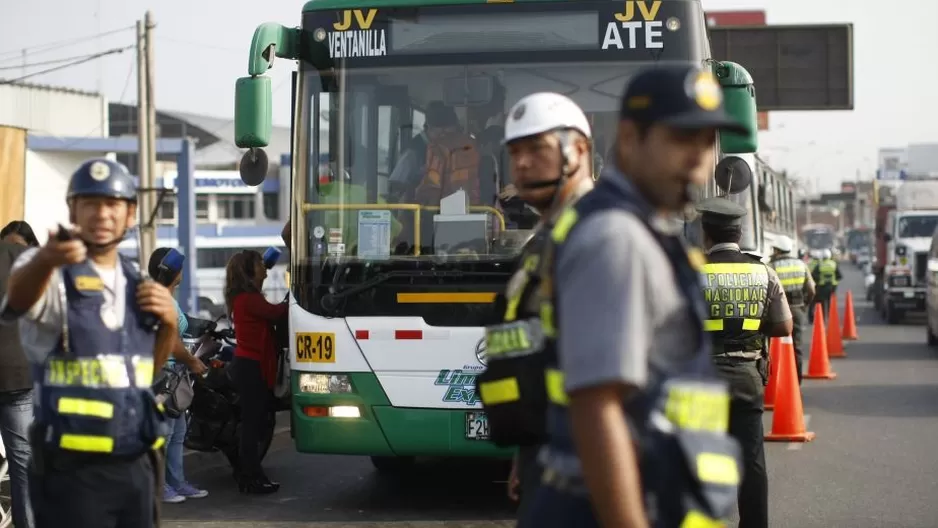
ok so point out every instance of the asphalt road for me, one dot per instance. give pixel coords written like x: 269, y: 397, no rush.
x: 872, y: 465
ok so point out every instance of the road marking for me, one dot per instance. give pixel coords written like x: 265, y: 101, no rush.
x: 795, y: 446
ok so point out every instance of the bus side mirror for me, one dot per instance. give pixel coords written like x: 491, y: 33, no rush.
x: 732, y: 175
x: 739, y: 98
x: 253, y: 112
x: 253, y: 124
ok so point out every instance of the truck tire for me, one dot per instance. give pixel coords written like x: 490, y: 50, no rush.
x: 390, y: 465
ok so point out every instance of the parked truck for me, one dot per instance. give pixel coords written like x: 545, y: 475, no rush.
x: 904, y: 233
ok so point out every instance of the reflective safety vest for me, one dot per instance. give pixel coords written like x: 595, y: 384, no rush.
x: 828, y: 272
x: 736, y: 288
x: 513, y: 387
x: 94, y: 387
x: 792, y: 273
x: 679, y: 419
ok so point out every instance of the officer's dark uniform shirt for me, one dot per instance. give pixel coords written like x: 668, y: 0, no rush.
x: 721, y: 211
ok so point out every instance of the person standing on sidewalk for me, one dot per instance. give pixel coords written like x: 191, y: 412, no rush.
x: 16, y: 397
x: 176, y: 488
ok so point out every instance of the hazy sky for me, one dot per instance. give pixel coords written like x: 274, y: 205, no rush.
x: 201, y: 48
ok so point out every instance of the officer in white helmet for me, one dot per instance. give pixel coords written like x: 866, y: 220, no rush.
x: 799, y: 289
x: 549, y: 144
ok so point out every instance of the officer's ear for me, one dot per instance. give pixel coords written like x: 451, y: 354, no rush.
x: 131, y: 214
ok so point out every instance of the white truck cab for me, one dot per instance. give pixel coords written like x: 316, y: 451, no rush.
x: 909, y: 239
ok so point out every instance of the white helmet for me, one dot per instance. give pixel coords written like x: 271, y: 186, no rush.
x: 827, y: 254
x: 783, y: 244
x: 542, y: 112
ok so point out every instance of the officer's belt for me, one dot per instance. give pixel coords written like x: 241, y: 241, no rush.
x: 747, y: 355
x: 514, y: 339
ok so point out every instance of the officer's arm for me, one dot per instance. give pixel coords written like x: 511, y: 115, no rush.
x: 808, y: 289
x: 777, y: 321
x: 604, y: 335
x: 28, y: 283
x: 837, y: 272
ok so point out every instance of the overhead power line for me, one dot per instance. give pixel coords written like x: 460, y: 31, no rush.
x: 9, y: 55
x: 75, y: 62
x: 30, y: 65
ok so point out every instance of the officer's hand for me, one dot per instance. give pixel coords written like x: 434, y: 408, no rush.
x: 60, y: 253
x: 514, y: 483
x: 155, y: 298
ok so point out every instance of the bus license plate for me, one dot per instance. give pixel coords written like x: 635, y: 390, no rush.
x: 477, y: 426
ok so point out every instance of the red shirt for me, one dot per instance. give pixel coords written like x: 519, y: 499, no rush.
x: 253, y: 321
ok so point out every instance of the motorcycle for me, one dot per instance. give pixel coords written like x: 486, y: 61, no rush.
x: 214, y: 417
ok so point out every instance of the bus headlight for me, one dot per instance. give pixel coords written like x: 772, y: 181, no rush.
x: 324, y: 383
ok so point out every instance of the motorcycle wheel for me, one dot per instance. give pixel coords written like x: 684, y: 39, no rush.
x: 232, y: 451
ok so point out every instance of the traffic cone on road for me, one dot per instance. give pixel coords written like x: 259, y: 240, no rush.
x: 788, y: 418
x: 819, y: 367
x: 774, y: 347
x: 835, y: 343
x: 850, y: 320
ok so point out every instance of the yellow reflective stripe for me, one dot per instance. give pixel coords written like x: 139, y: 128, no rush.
x: 698, y: 409
x: 87, y: 443
x: 159, y: 443
x: 793, y: 282
x: 734, y: 267
x: 500, y: 391
x: 788, y: 269
x: 695, y: 519
x: 717, y: 469
x: 564, y: 224
x: 553, y: 380
x: 716, y: 325
x: 83, y: 407
x: 500, y: 341
x: 547, y: 319
x: 143, y: 371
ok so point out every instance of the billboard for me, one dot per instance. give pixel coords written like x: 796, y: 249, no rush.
x: 796, y: 67
x: 740, y: 18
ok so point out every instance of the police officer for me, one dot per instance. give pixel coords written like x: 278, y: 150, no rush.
x: 626, y: 318
x: 799, y: 290
x: 94, y: 331
x: 747, y: 304
x: 827, y: 275
x: 547, y: 137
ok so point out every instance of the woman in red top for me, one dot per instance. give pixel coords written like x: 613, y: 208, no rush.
x: 255, y: 362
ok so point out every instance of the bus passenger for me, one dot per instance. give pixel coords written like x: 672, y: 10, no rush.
x: 255, y: 363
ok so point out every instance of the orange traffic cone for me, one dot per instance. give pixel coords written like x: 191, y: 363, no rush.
x: 850, y: 320
x: 835, y: 343
x: 819, y: 367
x: 774, y: 347
x: 788, y: 418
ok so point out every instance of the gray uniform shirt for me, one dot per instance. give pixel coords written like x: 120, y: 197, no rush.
x: 619, y: 304
x: 41, y: 325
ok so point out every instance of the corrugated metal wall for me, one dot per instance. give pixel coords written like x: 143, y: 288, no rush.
x: 50, y: 111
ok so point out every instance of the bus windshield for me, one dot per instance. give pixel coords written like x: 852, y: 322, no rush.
x: 401, y: 185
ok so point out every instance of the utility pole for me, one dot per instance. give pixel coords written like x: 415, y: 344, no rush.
x: 146, y: 137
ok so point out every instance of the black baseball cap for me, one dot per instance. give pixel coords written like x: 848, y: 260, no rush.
x: 685, y: 97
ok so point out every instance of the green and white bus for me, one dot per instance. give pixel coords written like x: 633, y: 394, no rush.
x: 389, y: 295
